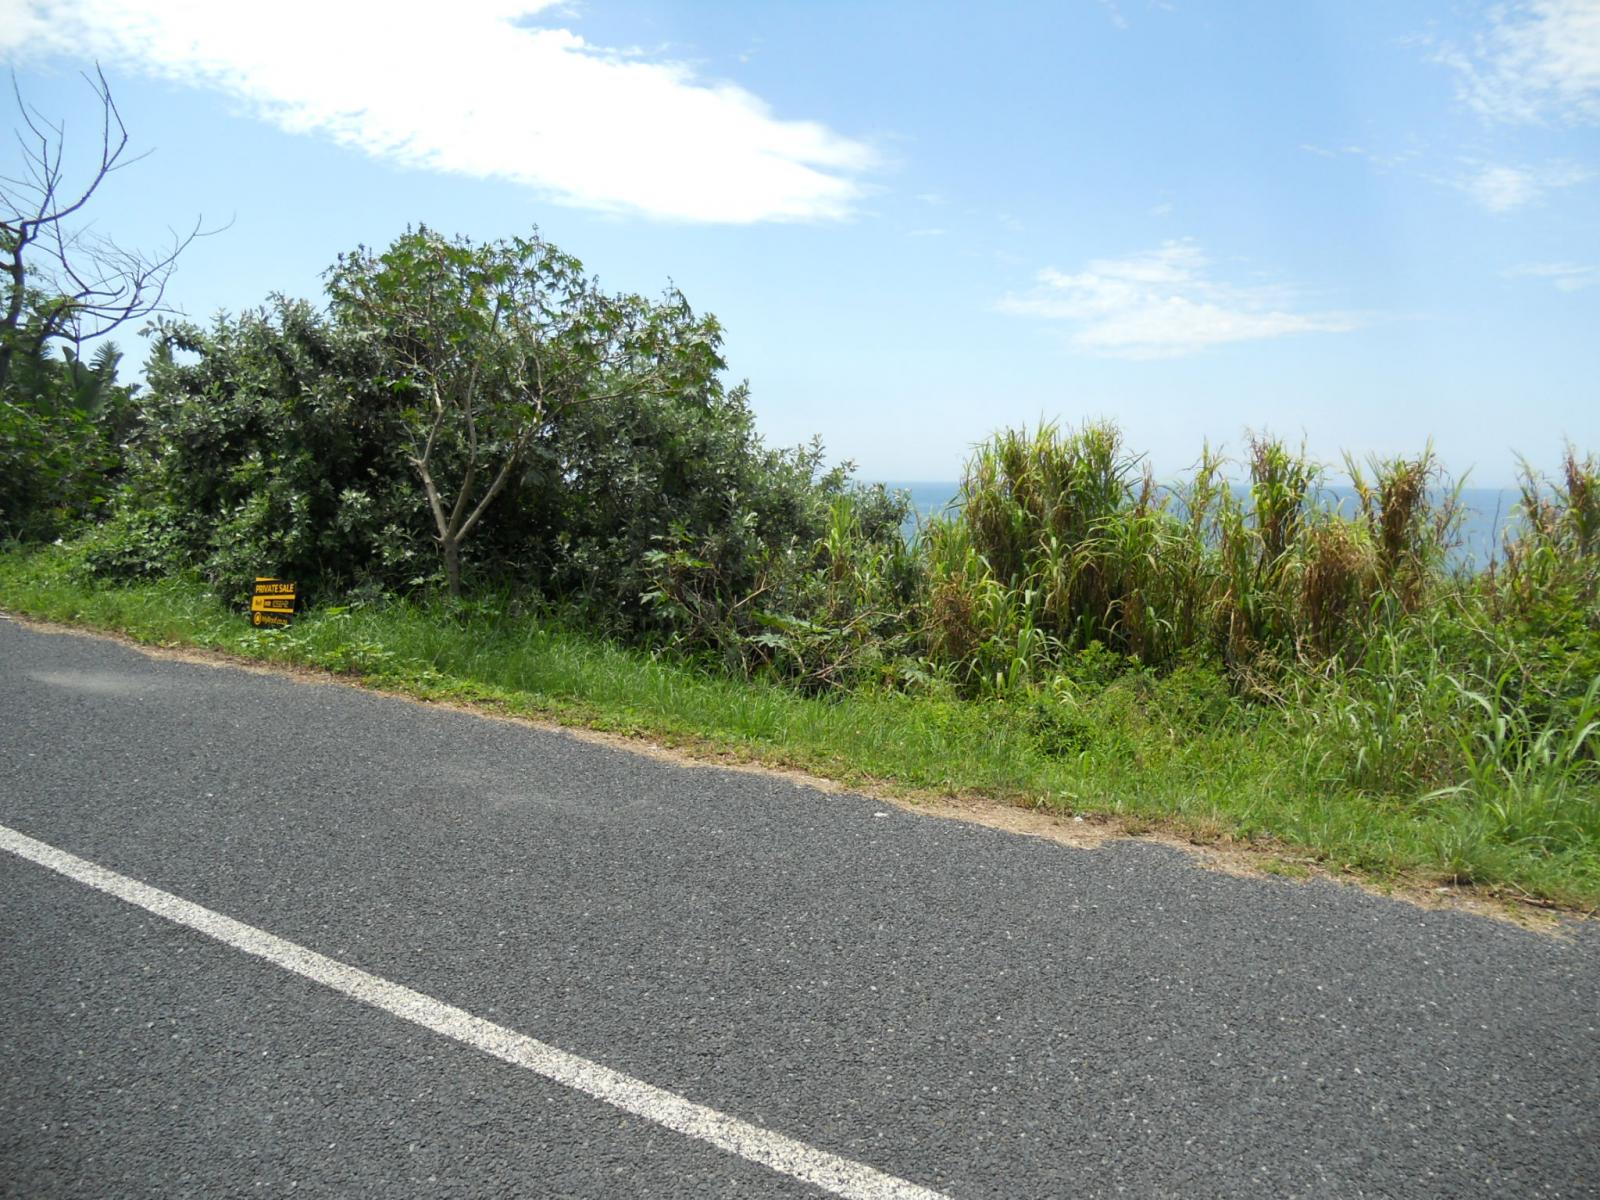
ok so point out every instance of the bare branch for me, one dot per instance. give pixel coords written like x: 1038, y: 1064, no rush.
x: 65, y: 282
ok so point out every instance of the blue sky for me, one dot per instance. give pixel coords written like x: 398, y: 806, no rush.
x: 1363, y: 224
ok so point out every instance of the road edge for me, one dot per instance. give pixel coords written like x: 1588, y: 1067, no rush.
x: 1088, y: 832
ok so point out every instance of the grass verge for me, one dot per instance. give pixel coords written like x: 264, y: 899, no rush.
x: 1174, y: 754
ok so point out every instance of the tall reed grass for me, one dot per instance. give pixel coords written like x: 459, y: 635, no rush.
x: 1062, y: 539
x: 1404, y: 682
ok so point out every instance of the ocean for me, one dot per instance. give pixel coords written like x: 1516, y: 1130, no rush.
x: 1489, y: 511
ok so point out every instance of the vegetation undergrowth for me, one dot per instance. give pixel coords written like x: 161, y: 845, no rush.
x: 1176, y: 750
x: 499, y: 482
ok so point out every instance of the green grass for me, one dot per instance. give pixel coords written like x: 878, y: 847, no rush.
x: 1179, y: 753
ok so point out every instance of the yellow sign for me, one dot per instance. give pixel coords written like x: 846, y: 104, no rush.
x: 273, y: 602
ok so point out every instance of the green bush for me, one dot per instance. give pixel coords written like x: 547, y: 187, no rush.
x: 62, y: 423
x: 282, y: 441
x: 270, y: 447
x: 836, y: 609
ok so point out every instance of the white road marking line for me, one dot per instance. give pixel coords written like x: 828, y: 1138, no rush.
x: 840, y: 1176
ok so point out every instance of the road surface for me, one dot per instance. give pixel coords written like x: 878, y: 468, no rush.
x: 262, y: 936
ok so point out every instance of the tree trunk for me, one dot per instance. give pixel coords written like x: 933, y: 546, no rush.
x: 452, y: 565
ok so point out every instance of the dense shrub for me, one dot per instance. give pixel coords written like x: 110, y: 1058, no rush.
x: 283, y: 441
x: 62, y: 424
x: 617, y: 484
x: 270, y: 447
x: 836, y: 609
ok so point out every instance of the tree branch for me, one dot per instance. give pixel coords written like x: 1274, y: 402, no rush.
x: 511, y: 463
x: 83, y: 286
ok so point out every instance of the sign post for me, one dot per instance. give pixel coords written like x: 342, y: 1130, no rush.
x: 273, y: 602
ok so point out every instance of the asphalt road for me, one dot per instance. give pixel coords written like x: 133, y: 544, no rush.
x: 971, y: 1011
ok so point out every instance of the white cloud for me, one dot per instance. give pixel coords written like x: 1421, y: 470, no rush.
x: 1161, y: 304
x: 1538, y: 60
x: 1500, y: 188
x: 1566, y: 276
x: 474, y: 89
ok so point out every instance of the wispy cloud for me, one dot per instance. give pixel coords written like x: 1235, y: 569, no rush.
x: 1501, y: 188
x: 1498, y: 187
x: 479, y: 89
x: 1538, y: 60
x: 1381, y: 161
x: 1163, y: 303
x: 1113, y: 12
x: 1566, y: 276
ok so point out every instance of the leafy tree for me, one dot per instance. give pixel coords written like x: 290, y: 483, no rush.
x: 488, y: 344
x: 584, y: 430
